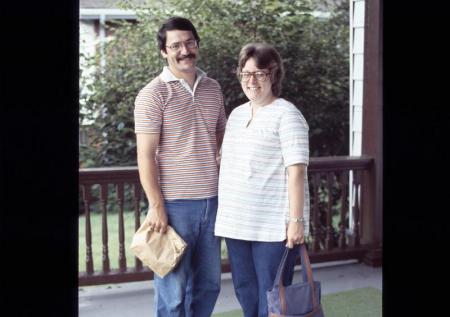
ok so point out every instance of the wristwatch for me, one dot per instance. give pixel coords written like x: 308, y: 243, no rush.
x: 296, y: 219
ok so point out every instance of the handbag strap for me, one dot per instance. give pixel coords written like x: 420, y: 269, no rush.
x: 306, y: 273
x: 279, y: 277
x: 306, y: 266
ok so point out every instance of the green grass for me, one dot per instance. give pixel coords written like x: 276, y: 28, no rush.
x: 113, y: 240
x: 362, y: 302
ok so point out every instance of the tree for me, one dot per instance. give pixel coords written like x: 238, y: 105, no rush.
x: 314, y: 51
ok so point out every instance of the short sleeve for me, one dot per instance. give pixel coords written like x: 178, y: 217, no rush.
x: 294, y: 138
x: 148, y: 111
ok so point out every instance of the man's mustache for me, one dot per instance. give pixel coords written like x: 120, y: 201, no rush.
x: 186, y: 56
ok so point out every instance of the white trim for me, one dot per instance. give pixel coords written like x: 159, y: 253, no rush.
x: 355, y: 106
x: 109, y: 14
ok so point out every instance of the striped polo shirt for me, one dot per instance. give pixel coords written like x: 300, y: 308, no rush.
x: 253, y: 181
x: 188, y: 121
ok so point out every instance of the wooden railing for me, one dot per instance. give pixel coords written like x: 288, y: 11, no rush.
x: 331, y: 238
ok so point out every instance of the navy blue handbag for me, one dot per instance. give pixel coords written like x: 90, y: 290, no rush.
x: 296, y: 300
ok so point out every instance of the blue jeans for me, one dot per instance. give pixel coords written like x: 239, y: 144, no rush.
x: 253, y: 269
x: 192, y: 288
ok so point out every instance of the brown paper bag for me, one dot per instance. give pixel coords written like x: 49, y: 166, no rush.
x: 160, y: 252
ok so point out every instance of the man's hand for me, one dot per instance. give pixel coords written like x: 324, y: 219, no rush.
x: 295, y: 234
x: 157, y: 219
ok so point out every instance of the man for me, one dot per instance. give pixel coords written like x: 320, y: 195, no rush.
x: 179, y: 124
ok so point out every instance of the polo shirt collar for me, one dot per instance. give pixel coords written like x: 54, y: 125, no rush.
x: 168, y: 76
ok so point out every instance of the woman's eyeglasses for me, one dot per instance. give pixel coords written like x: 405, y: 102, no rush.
x: 259, y: 75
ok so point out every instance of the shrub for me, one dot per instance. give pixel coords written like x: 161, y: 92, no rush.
x: 314, y: 51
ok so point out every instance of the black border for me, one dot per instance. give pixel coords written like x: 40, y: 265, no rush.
x: 416, y: 119
x: 39, y: 158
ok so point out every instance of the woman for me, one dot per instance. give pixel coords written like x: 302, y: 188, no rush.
x: 263, y: 185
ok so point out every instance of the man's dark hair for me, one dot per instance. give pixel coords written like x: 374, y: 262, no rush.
x: 175, y: 23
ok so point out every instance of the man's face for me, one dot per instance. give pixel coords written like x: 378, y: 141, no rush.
x: 181, y: 59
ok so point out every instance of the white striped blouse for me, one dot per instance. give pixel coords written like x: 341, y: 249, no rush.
x: 253, y: 187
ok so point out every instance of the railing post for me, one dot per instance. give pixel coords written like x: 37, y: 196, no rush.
x: 356, y: 209
x: 87, y: 198
x: 371, y: 218
x: 329, y: 242
x: 122, y: 256
x: 137, y: 217
x: 344, y: 209
x: 104, y: 202
x: 316, y: 227
x: 372, y: 132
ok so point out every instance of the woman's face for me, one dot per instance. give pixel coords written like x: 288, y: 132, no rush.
x: 257, y: 91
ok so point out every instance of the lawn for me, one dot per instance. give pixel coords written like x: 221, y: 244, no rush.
x: 362, y: 302
x: 113, y: 240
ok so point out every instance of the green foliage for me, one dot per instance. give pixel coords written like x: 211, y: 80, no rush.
x: 314, y: 50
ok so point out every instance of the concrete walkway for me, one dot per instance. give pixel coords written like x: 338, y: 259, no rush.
x: 136, y: 299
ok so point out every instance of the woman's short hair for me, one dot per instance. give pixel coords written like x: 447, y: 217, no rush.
x: 175, y: 23
x: 266, y: 57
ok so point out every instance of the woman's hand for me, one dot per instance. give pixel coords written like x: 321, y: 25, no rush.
x: 295, y: 234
